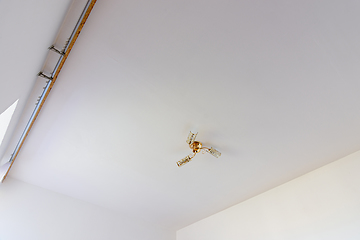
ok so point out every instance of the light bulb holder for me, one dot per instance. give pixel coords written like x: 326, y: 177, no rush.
x: 196, y: 147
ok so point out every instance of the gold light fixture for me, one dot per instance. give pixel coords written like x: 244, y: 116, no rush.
x: 196, y: 147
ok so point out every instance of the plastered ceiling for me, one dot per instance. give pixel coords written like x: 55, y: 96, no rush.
x: 273, y: 85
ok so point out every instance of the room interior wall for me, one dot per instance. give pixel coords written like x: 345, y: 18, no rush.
x: 33, y: 213
x: 323, y: 204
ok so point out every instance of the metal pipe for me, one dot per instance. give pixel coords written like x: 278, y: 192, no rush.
x: 74, y: 35
x: 30, y: 122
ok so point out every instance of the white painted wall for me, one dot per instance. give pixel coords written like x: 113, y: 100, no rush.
x: 323, y: 204
x: 33, y: 213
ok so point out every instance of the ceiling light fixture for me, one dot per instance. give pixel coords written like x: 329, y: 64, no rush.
x: 196, y: 148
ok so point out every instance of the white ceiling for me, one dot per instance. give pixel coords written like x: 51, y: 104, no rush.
x: 273, y: 85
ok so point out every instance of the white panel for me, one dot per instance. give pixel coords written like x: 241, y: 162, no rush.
x: 323, y: 204
x: 33, y: 213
